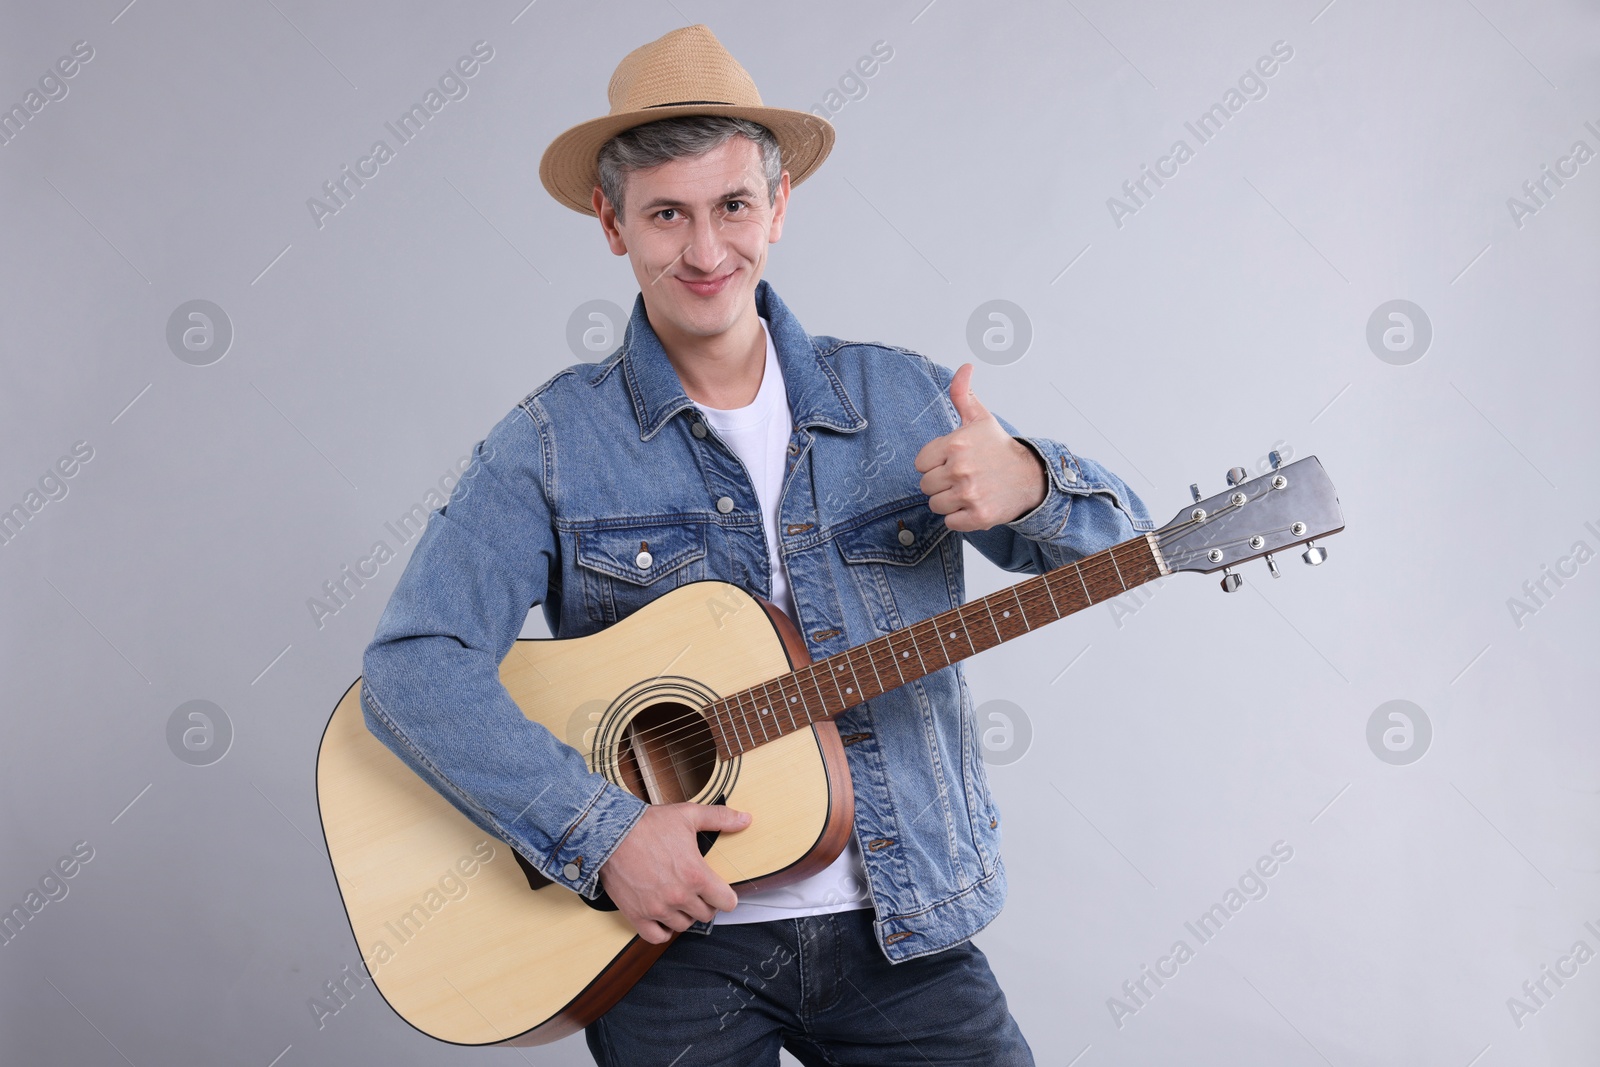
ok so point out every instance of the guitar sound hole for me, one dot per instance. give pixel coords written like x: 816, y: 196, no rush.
x: 667, y: 754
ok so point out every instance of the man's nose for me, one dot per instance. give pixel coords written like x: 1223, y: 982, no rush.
x: 707, y: 245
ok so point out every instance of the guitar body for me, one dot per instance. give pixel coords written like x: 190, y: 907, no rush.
x: 456, y: 936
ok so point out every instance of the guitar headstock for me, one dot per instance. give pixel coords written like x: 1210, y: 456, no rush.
x: 1293, y: 504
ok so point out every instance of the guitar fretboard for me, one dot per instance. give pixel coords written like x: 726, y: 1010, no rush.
x: 827, y: 687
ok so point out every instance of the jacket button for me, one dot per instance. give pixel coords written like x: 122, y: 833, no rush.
x: 644, y: 559
x: 698, y: 429
x: 906, y: 537
x: 1070, y: 475
x: 571, y: 872
x: 725, y: 504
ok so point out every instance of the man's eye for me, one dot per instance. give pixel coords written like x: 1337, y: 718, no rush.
x: 663, y: 211
x: 733, y: 202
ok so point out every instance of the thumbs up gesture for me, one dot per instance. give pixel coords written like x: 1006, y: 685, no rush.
x: 978, y: 475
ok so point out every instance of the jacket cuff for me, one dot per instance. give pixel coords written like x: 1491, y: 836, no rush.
x: 590, y: 841
x: 1065, y: 481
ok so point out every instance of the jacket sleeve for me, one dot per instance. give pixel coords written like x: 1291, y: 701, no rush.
x: 431, y: 689
x: 1086, y: 508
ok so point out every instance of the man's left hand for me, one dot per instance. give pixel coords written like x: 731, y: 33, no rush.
x: 977, y: 475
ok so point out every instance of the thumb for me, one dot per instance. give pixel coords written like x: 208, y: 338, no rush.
x: 967, y: 404
x: 720, y: 817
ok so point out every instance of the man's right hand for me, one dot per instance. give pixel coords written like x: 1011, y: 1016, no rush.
x: 657, y: 877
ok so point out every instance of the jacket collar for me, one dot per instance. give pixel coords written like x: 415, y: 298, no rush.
x: 816, y: 395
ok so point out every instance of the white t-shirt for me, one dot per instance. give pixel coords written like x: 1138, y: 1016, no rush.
x: 759, y: 432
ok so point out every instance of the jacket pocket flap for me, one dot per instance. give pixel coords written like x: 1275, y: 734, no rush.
x: 641, y: 554
x: 902, y: 535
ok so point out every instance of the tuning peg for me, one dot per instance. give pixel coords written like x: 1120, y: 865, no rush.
x: 1194, y: 491
x: 1230, y: 580
x: 1275, y: 458
x: 1314, y: 554
x: 1272, y: 565
x: 1237, y: 475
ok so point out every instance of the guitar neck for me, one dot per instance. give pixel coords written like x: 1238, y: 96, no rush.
x: 827, y: 687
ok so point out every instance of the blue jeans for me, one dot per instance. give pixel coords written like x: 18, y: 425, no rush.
x: 818, y: 986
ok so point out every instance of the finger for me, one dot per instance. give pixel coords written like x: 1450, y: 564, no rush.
x: 945, y: 503
x: 719, y: 817
x: 714, y: 891
x: 962, y: 521
x: 961, y: 395
x: 936, y: 481
x: 930, y: 456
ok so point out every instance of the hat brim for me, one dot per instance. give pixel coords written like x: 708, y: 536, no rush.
x: 570, y: 172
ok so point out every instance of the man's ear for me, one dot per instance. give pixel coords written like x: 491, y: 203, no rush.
x: 608, y: 222
x: 780, y: 206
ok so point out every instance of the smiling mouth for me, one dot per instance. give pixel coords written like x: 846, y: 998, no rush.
x: 708, y: 286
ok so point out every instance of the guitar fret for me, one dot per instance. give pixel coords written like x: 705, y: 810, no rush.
x: 1018, y: 598
x: 1048, y: 593
x: 968, y: 617
x: 805, y: 703
x: 945, y: 652
x: 1088, y: 597
x: 966, y: 631
x: 911, y: 632
x: 762, y: 713
x: 773, y: 709
x: 828, y: 706
x: 834, y: 674
x: 716, y: 717
x: 873, y: 662
x: 833, y: 677
x: 749, y: 727
x: 887, y: 641
x: 788, y: 701
x: 856, y: 681
x: 1112, y: 555
x: 798, y: 698
x: 999, y: 637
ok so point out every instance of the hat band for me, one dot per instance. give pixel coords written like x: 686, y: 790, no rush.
x: 681, y: 103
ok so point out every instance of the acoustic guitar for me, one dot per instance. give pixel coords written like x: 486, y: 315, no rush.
x: 707, y: 694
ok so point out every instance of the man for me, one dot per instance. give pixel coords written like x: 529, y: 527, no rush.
x: 837, y: 480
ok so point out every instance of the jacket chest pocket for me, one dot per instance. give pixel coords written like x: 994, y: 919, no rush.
x: 626, y: 567
x: 892, y: 559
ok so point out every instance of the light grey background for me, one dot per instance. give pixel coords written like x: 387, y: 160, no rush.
x: 1175, y: 737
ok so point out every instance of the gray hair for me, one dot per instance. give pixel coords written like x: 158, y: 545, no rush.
x: 658, y: 142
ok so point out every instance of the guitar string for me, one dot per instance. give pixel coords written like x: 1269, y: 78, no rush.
x: 699, y: 723
x: 694, y: 720
x: 1102, y: 568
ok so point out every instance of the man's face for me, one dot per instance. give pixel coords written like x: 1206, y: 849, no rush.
x: 696, y: 233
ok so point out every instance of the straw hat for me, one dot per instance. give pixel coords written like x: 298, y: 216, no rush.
x: 685, y: 72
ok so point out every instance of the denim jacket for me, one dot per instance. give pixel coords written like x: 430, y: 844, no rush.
x: 605, y: 455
